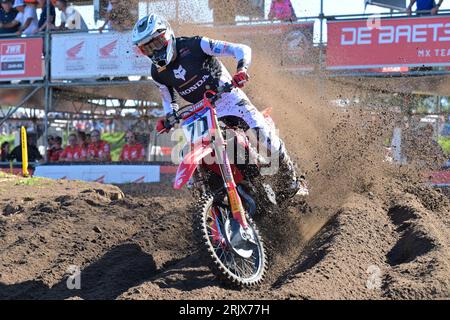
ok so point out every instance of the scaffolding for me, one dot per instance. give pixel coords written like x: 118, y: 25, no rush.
x: 74, y: 97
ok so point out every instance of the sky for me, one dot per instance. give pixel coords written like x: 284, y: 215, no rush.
x: 197, y: 9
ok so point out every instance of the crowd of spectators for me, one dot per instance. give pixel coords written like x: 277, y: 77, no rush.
x: 120, y: 15
x: 83, y: 147
x: 25, y: 20
x: 20, y: 16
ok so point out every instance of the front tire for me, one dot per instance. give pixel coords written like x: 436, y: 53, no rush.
x: 223, y: 262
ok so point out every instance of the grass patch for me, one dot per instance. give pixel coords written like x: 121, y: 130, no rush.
x: 32, y: 182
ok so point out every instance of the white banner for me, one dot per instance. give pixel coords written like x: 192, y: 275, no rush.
x: 101, y: 173
x: 95, y: 55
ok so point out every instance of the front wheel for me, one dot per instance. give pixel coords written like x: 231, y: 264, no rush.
x: 242, y: 265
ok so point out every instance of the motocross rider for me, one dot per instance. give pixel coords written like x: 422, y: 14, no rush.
x: 189, y: 66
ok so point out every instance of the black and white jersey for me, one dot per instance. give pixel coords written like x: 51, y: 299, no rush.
x: 196, y: 69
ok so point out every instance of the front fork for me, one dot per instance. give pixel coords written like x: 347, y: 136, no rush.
x: 219, y: 145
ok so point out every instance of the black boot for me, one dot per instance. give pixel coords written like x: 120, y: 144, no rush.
x: 289, y: 183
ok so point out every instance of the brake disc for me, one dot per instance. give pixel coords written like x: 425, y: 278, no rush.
x: 242, y: 242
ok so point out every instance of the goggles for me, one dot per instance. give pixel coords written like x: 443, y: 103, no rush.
x: 155, y: 44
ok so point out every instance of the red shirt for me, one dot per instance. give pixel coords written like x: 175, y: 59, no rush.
x: 54, y: 154
x: 99, y: 150
x: 73, y: 154
x: 132, y: 153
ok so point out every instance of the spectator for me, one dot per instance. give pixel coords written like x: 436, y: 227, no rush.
x: 82, y: 140
x: 26, y: 18
x: 43, y: 21
x: 70, y: 17
x: 54, y: 152
x: 424, y: 5
x: 4, y: 152
x: 88, y: 139
x: 98, y: 150
x: 7, y: 15
x: 224, y: 11
x: 107, y: 23
x: 73, y: 151
x: 50, y: 143
x: 282, y: 10
x: 33, y: 152
x: 132, y: 151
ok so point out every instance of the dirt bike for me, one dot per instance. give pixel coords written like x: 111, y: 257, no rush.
x: 229, y: 193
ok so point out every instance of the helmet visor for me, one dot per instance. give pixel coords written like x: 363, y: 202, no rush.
x: 155, y: 44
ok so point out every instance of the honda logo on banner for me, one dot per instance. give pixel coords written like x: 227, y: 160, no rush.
x: 96, y: 55
x: 109, y: 50
x: 403, y: 42
x: 73, y: 53
x: 108, y: 58
x: 74, y: 59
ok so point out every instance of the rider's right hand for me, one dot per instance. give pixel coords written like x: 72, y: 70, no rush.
x: 163, y: 126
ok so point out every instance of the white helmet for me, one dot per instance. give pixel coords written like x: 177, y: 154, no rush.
x: 155, y: 38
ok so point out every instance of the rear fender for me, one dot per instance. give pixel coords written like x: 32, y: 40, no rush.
x: 190, y: 163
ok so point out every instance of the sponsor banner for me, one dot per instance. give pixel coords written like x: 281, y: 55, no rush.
x: 439, y: 178
x: 118, y: 174
x: 381, y: 43
x: 21, y: 59
x: 294, y: 39
x: 76, y: 56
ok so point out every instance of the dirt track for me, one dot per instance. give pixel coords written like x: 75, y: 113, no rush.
x: 374, y: 232
x: 137, y: 245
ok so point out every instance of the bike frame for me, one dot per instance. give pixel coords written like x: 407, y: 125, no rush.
x: 217, y: 144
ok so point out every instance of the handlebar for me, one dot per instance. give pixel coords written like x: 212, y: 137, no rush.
x: 211, y: 96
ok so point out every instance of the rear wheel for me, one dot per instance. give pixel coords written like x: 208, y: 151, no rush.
x: 240, y: 264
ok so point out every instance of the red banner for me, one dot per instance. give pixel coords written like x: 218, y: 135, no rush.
x: 403, y: 42
x: 21, y: 59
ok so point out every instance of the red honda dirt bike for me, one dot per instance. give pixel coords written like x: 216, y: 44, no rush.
x: 229, y: 193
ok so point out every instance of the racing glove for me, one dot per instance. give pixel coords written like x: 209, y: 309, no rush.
x: 163, y: 126
x: 240, y: 78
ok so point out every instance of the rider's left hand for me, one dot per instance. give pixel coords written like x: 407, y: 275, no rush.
x: 163, y: 126
x: 240, y: 78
